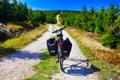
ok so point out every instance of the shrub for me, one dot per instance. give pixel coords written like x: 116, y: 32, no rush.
x: 3, y: 36
x: 108, y: 41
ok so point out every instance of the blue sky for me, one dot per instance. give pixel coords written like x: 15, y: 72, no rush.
x: 67, y: 4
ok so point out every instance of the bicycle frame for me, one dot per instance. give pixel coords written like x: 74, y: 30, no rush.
x: 60, y: 41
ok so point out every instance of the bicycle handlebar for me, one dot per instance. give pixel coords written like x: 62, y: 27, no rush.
x: 59, y: 30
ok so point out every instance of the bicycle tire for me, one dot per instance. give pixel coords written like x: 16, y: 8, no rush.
x: 60, y: 58
x: 61, y: 63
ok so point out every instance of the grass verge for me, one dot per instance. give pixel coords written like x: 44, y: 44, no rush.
x: 97, y: 57
x: 46, y: 68
x: 14, y: 44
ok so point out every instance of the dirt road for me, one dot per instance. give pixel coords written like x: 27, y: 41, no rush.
x: 19, y: 65
x: 76, y: 67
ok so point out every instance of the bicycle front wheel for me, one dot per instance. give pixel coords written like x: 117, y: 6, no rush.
x: 61, y: 63
x: 60, y: 58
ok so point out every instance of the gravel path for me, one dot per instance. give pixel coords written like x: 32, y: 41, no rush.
x: 76, y: 67
x: 19, y: 65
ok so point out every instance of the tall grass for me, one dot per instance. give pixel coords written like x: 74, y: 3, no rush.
x: 17, y: 43
x: 105, y: 59
x: 20, y: 25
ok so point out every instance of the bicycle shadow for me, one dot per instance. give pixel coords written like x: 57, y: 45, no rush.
x: 80, y: 70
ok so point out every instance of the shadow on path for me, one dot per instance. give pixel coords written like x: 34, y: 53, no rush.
x: 26, y: 55
x: 80, y: 69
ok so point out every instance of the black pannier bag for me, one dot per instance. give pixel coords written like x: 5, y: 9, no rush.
x: 66, y: 48
x: 52, y: 46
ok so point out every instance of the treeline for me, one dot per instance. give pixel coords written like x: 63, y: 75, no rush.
x: 13, y: 11
x: 39, y: 17
x: 21, y: 18
x: 102, y: 21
